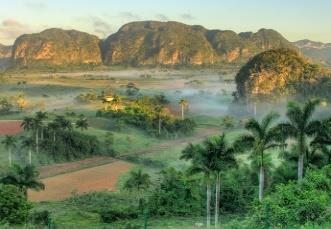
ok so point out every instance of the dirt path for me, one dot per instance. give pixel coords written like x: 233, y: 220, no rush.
x: 103, y: 177
x: 61, y: 168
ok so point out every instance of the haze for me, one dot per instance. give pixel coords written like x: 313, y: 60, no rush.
x: 296, y: 19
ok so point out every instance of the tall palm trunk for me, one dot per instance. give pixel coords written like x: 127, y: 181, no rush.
x: 30, y: 156
x: 301, y: 158
x: 54, y: 137
x: 159, y: 126
x: 182, y: 112
x: 37, y: 142
x: 208, y: 203
x: 261, y: 183
x: 9, y: 156
x: 217, y: 198
x: 42, y: 134
x: 300, y: 167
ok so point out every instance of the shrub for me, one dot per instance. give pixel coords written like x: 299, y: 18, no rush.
x: 14, y: 207
x: 177, y: 194
x: 298, y: 203
x: 40, y: 217
x: 118, y: 213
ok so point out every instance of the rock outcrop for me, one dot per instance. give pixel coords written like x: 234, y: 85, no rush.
x: 56, y: 47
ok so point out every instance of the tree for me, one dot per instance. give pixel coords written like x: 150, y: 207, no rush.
x: 160, y: 113
x: 14, y: 207
x: 322, y: 140
x: 63, y: 123
x: 53, y: 127
x: 28, y: 143
x: 262, y: 136
x: 183, y: 104
x: 224, y: 157
x: 41, y: 116
x: 23, y: 178
x: 27, y: 123
x: 82, y: 123
x: 137, y: 180
x: 9, y: 143
x: 36, y: 125
x: 203, y: 161
x: 300, y: 126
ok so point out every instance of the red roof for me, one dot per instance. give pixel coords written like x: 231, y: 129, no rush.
x: 10, y: 127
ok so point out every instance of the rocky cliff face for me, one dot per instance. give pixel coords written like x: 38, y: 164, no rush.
x: 5, y: 51
x: 274, y: 71
x: 5, y: 56
x: 149, y: 43
x: 56, y: 47
x: 317, y: 51
x: 144, y: 43
x: 172, y: 43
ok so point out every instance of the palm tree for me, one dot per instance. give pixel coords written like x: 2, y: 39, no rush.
x: 36, y: 125
x: 262, y: 136
x: 220, y: 157
x: 300, y: 126
x: 63, y: 123
x: 224, y: 157
x: 27, y: 123
x: 183, y: 104
x: 41, y: 116
x: 53, y: 127
x: 322, y: 140
x: 82, y: 123
x: 28, y: 143
x: 203, y: 161
x: 137, y: 180
x: 9, y: 142
x: 24, y: 178
x: 159, y: 112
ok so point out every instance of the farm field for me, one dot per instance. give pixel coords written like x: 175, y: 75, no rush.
x: 98, y: 178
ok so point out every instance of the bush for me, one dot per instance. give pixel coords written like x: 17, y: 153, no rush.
x: 110, y: 206
x: 292, y: 203
x: 177, y: 194
x: 40, y: 217
x: 14, y: 207
x: 119, y: 213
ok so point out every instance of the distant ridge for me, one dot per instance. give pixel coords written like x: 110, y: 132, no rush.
x: 317, y: 51
x: 144, y: 43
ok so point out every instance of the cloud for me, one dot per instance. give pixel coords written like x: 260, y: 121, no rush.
x: 10, y: 29
x: 129, y: 16
x: 187, y: 17
x: 35, y: 5
x: 10, y: 23
x: 161, y: 17
x: 101, y: 27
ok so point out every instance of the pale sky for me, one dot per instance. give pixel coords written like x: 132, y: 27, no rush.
x: 294, y: 19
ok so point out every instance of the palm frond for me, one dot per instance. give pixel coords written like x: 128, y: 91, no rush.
x: 309, y: 109
x: 254, y: 126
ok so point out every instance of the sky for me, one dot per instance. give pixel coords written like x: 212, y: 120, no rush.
x: 294, y: 19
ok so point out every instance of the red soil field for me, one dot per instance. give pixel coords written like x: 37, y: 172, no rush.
x: 98, y: 178
x: 10, y: 127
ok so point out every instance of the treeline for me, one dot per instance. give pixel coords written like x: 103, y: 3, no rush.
x: 150, y: 114
x: 58, y: 138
